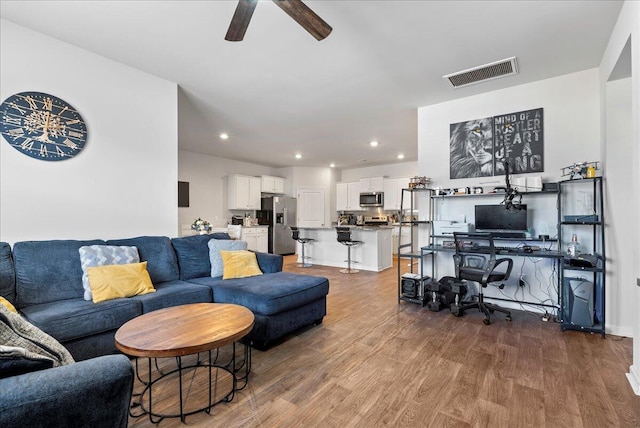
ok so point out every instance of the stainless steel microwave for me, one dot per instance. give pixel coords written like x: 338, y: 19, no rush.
x: 372, y: 199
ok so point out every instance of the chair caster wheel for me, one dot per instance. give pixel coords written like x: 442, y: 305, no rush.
x: 456, y: 314
x: 508, y: 318
x: 486, y: 321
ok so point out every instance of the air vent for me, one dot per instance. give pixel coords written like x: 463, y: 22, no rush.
x: 494, y: 70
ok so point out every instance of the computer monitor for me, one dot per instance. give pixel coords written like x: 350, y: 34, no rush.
x: 498, y: 218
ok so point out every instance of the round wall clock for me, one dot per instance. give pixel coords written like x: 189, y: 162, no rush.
x: 42, y: 126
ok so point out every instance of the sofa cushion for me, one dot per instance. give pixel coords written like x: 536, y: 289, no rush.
x: 269, y: 263
x: 215, y: 258
x: 76, y: 318
x: 193, y: 254
x: 47, y: 271
x: 7, y: 274
x: 268, y: 294
x: 157, y: 251
x: 118, y: 281
x: 174, y: 293
x: 103, y: 255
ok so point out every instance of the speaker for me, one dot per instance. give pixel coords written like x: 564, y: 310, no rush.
x: 580, y: 301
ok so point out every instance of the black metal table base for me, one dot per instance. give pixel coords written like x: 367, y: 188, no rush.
x: 238, y: 371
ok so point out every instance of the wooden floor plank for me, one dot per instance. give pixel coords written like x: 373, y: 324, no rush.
x: 377, y: 362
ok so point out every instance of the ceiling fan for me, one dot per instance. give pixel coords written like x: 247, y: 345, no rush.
x: 300, y: 12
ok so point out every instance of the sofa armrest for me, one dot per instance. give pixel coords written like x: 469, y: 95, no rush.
x: 269, y: 263
x: 92, y: 393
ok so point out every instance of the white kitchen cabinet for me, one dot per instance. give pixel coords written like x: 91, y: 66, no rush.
x: 393, y: 192
x: 244, y: 192
x: 348, y: 196
x: 256, y: 238
x: 270, y: 184
x: 373, y: 184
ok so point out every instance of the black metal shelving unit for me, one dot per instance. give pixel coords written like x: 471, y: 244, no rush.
x: 411, y: 285
x: 583, y: 286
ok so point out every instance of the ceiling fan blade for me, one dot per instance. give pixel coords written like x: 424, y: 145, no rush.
x: 304, y: 16
x: 240, y: 20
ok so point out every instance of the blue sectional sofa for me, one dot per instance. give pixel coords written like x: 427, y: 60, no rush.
x: 48, y: 291
x: 43, y: 280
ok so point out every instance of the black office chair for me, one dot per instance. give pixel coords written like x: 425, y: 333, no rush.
x: 344, y: 237
x: 475, y: 260
x: 295, y: 234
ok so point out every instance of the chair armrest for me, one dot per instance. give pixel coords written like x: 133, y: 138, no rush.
x: 493, y: 267
x: 269, y: 263
x: 93, y: 393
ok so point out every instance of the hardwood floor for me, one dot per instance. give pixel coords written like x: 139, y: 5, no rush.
x: 374, y: 362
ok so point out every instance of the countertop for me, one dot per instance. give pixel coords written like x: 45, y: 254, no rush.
x: 372, y: 228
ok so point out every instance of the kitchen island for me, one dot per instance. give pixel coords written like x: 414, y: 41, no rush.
x: 374, y: 254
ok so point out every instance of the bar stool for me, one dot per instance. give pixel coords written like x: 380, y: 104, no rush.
x: 344, y: 237
x: 295, y: 234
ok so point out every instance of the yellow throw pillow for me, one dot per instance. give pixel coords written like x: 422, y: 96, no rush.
x: 116, y: 281
x: 7, y: 304
x: 239, y: 264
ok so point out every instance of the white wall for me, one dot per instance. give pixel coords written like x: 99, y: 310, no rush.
x: 628, y: 27
x: 313, y: 177
x: 124, y: 182
x: 618, y: 219
x: 571, y: 124
x: 392, y: 170
x: 207, y: 177
x: 571, y: 106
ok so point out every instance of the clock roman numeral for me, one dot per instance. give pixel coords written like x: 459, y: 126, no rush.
x: 73, y: 122
x: 43, y: 150
x: 16, y: 132
x: 32, y: 102
x: 12, y: 120
x: 59, y: 151
x: 17, y: 107
x: 48, y: 103
x: 75, y: 134
x: 27, y: 144
x: 67, y: 142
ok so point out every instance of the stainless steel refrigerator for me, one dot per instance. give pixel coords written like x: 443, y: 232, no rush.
x: 279, y: 213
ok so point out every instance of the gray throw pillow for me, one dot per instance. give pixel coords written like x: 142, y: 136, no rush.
x: 215, y: 245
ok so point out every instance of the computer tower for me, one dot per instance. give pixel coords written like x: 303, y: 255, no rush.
x: 580, y: 294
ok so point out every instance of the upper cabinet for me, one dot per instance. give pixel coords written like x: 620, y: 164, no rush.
x: 244, y: 192
x: 272, y: 184
x: 393, y: 192
x: 373, y: 184
x: 348, y: 196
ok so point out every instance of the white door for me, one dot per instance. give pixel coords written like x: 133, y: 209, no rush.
x: 310, y: 207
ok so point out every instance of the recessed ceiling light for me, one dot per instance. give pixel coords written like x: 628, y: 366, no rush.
x: 224, y: 136
x: 373, y: 144
x: 400, y: 156
x: 332, y: 165
x: 298, y: 156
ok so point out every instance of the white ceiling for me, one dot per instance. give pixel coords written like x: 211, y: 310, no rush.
x: 280, y: 91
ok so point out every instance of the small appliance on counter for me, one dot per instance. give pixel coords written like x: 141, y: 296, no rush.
x: 376, y: 220
x: 237, y: 219
x: 346, y: 220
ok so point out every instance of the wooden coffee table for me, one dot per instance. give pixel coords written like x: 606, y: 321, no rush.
x: 185, y: 330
